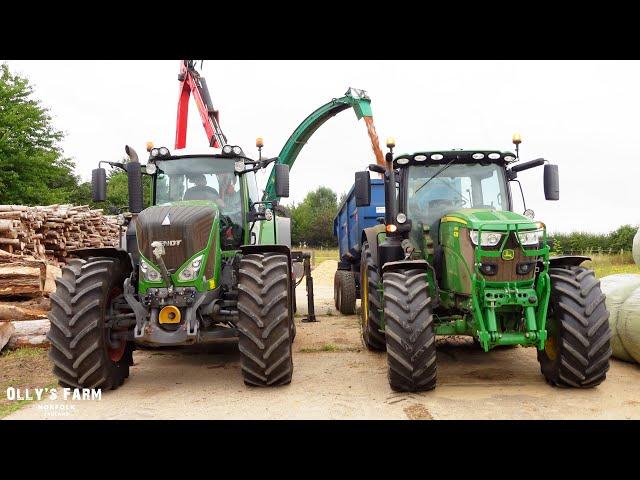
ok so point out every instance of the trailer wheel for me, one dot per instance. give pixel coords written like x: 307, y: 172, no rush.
x: 344, y: 292
x: 82, y: 348
x: 577, y: 350
x: 411, y: 338
x: 265, y: 320
x: 372, y: 329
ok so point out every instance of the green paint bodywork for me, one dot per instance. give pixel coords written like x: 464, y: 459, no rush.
x: 201, y: 283
x: 300, y: 136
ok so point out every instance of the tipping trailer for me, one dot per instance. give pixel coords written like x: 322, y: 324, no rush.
x: 348, y: 226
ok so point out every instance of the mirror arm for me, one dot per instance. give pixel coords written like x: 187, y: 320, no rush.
x: 114, y: 164
x: 376, y: 168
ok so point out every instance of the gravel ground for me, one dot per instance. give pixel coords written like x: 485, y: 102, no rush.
x: 336, y: 378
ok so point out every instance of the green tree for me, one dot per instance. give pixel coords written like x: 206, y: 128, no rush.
x: 32, y: 167
x: 312, y: 220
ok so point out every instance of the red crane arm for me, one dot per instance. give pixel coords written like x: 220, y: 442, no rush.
x: 192, y: 83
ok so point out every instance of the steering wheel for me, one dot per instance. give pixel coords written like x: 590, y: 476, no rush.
x: 201, y: 192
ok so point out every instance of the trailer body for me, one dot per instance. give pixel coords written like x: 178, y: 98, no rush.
x: 351, y: 221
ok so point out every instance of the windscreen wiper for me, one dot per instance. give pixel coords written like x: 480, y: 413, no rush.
x: 437, y: 173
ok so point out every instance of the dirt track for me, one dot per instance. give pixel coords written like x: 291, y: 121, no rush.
x: 336, y: 378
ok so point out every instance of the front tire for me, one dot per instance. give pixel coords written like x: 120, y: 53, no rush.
x: 80, y: 349
x: 577, y: 350
x: 410, y: 333
x: 265, y: 319
x: 372, y: 329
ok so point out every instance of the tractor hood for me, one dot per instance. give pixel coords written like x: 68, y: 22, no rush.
x: 185, y: 227
x: 497, y: 220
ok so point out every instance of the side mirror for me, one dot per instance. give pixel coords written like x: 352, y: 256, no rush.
x: 282, y: 180
x: 551, y: 182
x: 363, y: 189
x: 99, y: 184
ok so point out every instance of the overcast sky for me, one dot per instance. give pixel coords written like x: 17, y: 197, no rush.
x: 584, y: 116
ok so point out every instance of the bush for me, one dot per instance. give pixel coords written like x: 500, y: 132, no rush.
x: 620, y: 239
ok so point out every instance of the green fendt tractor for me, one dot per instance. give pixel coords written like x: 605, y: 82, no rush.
x: 207, y: 261
x: 453, y: 258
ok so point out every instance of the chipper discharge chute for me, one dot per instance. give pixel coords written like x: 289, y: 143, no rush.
x: 452, y: 258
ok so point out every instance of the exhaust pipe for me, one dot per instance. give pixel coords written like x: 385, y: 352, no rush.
x: 134, y: 174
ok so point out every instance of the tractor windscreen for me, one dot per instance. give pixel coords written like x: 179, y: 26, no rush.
x: 199, y: 178
x: 467, y: 185
x: 204, y: 178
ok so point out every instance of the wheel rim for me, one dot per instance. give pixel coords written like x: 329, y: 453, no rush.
x: 115, y: 354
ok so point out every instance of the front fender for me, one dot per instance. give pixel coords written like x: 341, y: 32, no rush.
x: 567, y: 260
x: 405, y: 265
x: 370, y: 235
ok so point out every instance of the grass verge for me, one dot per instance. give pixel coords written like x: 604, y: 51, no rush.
x: 23, y: 368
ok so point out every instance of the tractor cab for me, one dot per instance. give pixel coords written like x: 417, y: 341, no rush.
x: 434, y: 184
x: 184, y: 178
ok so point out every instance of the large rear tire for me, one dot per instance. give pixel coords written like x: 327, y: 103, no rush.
x: 80, y: 348
x: 577, y: 350
x: 265, y: 319
x: 372, y: 328
x: 344, y: 292
x: 410, y: 333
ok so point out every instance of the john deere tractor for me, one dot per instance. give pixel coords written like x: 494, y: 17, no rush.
x: 454, y: 258
x: 207, y: 261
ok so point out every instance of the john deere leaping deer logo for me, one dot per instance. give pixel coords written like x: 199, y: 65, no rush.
x: 508, y: 254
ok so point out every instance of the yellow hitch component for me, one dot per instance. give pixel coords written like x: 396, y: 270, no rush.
x: 212, y: 283
x: 169, y: 314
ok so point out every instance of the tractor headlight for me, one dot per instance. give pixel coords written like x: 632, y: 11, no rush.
x: 164, y: 151
x: 237, y: 150
x: 227, y: 149
x: 489, y: 239
x: 151, y: 168
x: 401, y: 218
x: 530, y: 238
x: 190, y: 272
x: 149, y: 273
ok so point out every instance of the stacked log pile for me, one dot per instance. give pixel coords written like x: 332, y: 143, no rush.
x: 49, y: 232
x: 34, y: 242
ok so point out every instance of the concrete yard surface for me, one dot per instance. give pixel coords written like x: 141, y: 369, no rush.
x: 335, y: 377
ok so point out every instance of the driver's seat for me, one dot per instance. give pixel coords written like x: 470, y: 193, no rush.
x: 201, y: 193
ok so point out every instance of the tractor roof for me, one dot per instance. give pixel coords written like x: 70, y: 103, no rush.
x: 191, y: 151
x: 442, y: 157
